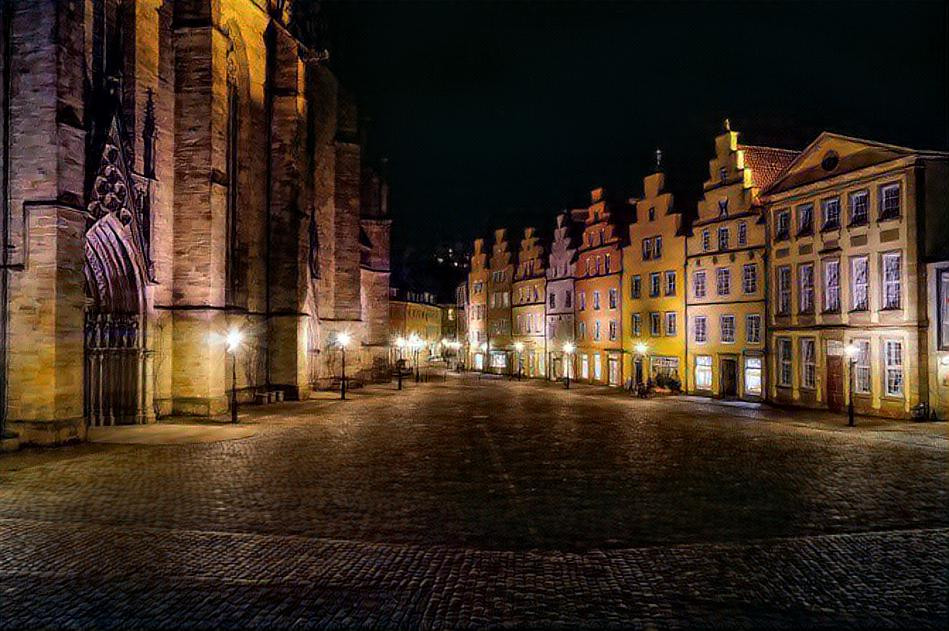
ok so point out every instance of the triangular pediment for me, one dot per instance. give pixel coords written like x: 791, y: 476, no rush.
x: 832, y: 154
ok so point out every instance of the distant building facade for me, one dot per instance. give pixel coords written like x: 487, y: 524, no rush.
x: 498, y: 326
x: 559, y: 309
x: 654, y: 290
x: 598, y: 282
x: 726, y: 272
x: 849, y: 220
x: 477, y: 311
x: 528, y: 315
x: 416, y: 314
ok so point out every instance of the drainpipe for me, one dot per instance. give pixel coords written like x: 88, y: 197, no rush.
x: 270, y: 45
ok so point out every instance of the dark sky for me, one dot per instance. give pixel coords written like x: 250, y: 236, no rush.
x: 497, y: 114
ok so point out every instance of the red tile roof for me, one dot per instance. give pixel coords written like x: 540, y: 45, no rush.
x: 767, y: 163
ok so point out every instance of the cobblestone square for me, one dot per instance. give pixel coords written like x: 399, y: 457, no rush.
x: 480, y: 502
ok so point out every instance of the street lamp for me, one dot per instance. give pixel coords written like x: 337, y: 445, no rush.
x: 851, y: 350
x: 400, y: 344
x: 519, y: 347
x: 342, y: 340
x: 415, y: 342
x: 641, y: 350
x: 234, y: 338
x: 568, y: 349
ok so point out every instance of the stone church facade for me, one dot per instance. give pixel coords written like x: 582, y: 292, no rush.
x: 173, y: 170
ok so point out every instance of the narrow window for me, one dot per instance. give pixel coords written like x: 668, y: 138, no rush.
x: 703, y: 372
x: 753, y: 329
x: 637, y: 325
x: 647, y: 249
x: 698, y: 284
x: 654, y: 283
x: 742, y: 234
x: 670, y: 283
x: 784, y: 362
x: 635, y: 289
x: 891, y: 280
x: 784, y: 290
x: 893, y: 367
x: 701, y: 329
x: 808, y: 363
x: 749, y: 278
x: 723, y: 281
x: 723, y: 238
x: 782, y: 226
x: 805, y: 219
x: 889, y: 201
x: 728, y: 328
x: 859, y: 207
x: 830, y: 209
x: 806, y: 296
x: 657, y: 248
x: 706, y: 240
x: 654, y: 324
x: 596, y: 300
x: 859, y: 283
x: 671, y: 324
x: 612, y: 299
x: 862, y: 367
x: 612, y: 329
x: 831, y: 286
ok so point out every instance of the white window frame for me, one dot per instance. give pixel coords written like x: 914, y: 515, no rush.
x: 892, y: 285
x: 852, y: 204
x: 808, y: 346
x: 783, y: 286
x: 703, y: 372
x: 894, y: 377
x: 749, y: 278
x: 753, y: 328
x: 726, y: 325
x: 723, y: 281
x: 699, y: 286
x: 831, y: 285
x: 700, y: 329
x: 785, y: 362
x: 862, y: 368
x: 859, y: 292
x: 671, y: 323
x: 742, y: 234
x: 637, y: 325
x: 670, y: 282
x: 805, y: 277
x: 655, y: 324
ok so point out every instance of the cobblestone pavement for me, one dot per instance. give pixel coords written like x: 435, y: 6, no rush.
x: 476, y: 503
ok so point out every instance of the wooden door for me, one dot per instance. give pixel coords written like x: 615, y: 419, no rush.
x: 835, y: 383
x: 729, y: 378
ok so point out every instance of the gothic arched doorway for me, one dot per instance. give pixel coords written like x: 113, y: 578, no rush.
x: 116, y: 274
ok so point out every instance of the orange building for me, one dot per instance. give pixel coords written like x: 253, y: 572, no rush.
x: 529, y: 293
x: 599, y: 354
x: 477, y: 311
x: 498, y: 326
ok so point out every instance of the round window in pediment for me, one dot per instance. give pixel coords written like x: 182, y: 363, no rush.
x: 830, y: 161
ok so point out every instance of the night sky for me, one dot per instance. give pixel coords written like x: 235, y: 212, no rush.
x: 500, y: 114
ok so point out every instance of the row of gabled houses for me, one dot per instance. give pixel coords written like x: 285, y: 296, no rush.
x: 802, y: 277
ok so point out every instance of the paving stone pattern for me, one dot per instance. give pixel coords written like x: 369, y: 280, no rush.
x: 483, y: 503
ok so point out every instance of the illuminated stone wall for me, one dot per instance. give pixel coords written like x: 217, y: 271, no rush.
x: 217, y: 107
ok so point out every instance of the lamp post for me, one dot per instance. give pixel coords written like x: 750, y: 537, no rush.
x: 415, y: 342
x: 851, y: 350
x: 568, y: 349
x: 641, y: 350
x: 519, y: 347
x: 400, y: 344
x: 342, y: 340
x: 234, y: 338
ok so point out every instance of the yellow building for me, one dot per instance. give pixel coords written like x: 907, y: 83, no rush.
x: 528, y: 295
x: 598, y: 305
x: 498, y: 325
x: 852, y: 223
x: 725, y: 271
x: 477, y: 310
x: 416, y: 314
x: 654, y: 291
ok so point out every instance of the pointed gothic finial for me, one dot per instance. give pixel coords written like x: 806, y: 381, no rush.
x: 658, y: 160
x: 728, y: 125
